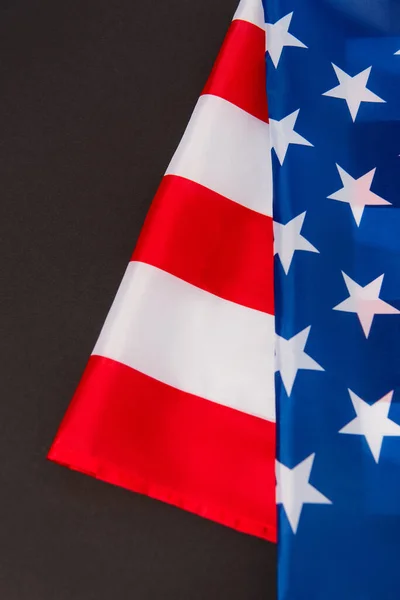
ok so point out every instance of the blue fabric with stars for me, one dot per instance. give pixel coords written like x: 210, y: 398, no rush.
x: 348, y: 548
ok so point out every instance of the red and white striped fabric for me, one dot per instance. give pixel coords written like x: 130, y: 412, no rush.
x: 177, y: 400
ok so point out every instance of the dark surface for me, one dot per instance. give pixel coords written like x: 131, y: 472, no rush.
x: 94, y: 97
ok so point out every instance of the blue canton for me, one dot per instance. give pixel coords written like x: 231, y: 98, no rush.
x: 333, y: 82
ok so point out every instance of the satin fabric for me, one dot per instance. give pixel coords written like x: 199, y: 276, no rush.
x: 348, y: 549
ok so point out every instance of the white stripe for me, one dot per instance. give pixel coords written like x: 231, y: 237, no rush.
x: 227, y: 150
x: 192, y: 340
x: 251, y: 11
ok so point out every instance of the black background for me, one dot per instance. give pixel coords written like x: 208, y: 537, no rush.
x: 94, y: 97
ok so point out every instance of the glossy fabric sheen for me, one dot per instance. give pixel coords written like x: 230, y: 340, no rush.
x: 349, y: 549
x: 179, y: 448
x: 239, y: 71
x: 250, y: 11
x: 192, y: 340
x: 178, y: 401
x: 224, y: 149
x: 210, y: 242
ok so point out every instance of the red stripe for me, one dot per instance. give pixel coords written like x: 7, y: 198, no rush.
x: 211, y: 242
x: 239, y: 71
x: 130, y: 430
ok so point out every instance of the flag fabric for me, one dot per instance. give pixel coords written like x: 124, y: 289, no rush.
x: 210, y: 333
x: 177, y: 400
x: 333, y: 81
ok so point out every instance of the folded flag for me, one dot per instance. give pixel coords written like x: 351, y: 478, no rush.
x: 177, y: 400
x: 209, y: 332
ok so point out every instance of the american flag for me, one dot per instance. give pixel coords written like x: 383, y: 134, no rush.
x: 177, y: 400
x: 266, y: 281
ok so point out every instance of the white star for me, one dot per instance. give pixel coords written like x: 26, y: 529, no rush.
x: 283, y: 134
x: 365, y: 302
x: 278, y: 36
x: 357, y: 192
x: 288, y: 239
x: 398, y: 52
x: 372, y: 421
x: 294, y: 490
x: 290, y: 357
x: 353, y: 89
